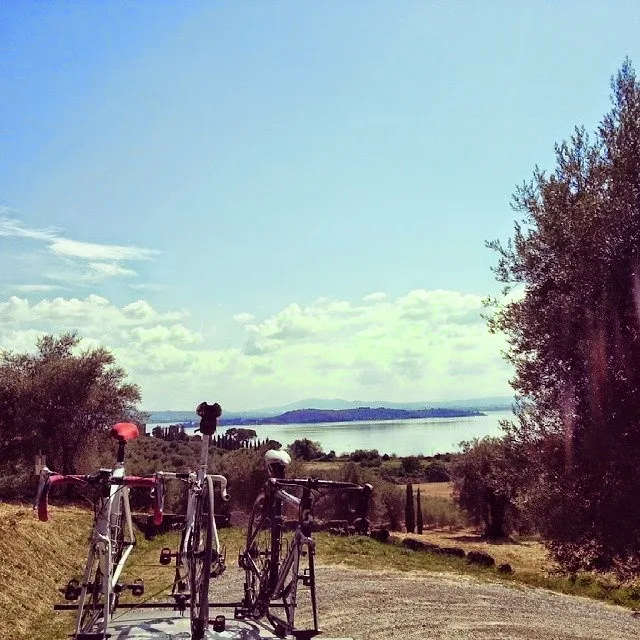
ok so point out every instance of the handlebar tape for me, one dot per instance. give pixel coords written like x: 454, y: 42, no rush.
x: 43, y: 503
x: 129, y: 481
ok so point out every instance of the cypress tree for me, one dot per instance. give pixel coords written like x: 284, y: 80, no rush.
x: 419, y: 524
x: 409, y: 513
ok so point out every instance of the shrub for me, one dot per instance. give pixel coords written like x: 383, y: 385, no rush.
x: 305, y: 449
x: 437, y: 472
x: 369, y: 458
x: 410, y: 465
x: 388, y: 504
x: 441, y: 512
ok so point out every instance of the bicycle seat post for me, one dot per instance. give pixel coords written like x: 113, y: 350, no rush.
x: 120, y: 456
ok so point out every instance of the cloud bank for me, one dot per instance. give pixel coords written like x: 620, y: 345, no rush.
x: 425, y: 345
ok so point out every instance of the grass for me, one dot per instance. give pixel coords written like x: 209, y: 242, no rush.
x: 365, y: 553
x: 37, y: 559
x: 158, y: 579
x: 434, y: 489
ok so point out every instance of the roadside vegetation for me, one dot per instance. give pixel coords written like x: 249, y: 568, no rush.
x: 41, y: 557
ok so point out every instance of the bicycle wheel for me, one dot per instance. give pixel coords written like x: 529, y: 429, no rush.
x: 257, y: 558
x: 199, y: 553
x: 91, y: 615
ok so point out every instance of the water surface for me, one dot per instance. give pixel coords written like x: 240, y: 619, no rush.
x: 426, y: 436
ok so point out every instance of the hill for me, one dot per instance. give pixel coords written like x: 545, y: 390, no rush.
x: 310, y: 416
x: 477, y: 404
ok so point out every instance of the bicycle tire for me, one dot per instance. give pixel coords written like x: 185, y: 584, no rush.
x: 200, y: 553
x: 257, y: 558
x: 91, y: 618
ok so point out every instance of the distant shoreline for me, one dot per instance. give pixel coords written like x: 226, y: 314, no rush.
x: 320, y: 416
x: 362, y: 414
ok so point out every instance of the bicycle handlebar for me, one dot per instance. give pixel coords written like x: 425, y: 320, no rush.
x: 280, y: 484
x: 315, y: 483
x: 49, y: 478
x: 161, y: 476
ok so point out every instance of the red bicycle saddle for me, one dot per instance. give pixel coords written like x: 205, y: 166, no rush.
x: 125, y: 431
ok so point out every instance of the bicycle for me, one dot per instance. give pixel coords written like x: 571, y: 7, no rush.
x: 200, y: 556
x: 272, y: 572
x: 111, y: 541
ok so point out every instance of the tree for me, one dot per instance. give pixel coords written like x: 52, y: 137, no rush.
x: 419, y: 523
x: 57, y: 399
x: 486, y: 482
x: 409, y: 513
x: 574, y: 338
x: 240, y: 434
x: 305, y: 449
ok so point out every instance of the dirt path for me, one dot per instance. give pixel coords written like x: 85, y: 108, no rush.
x: 423, y: 605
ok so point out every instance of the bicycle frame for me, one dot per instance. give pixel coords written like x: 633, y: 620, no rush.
x: 195, y: 481
x: 278, y: 579
x: 199, y: 556
x: 112, y: 540
x: 284, y: 582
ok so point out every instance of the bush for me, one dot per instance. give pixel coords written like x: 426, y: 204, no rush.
x: 388, y: 505
x: 410, y: 465
x: 369, y: 458
x: 441, y: 513
x: 305, y: 449
x: 437, y: 472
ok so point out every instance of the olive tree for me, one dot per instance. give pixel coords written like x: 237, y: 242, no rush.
x: 574, y: 338
x: 57, y: 400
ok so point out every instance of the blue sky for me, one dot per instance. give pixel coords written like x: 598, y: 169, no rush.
x: 259, y: 202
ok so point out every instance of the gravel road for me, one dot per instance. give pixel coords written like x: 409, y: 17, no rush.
x: 375, y: 605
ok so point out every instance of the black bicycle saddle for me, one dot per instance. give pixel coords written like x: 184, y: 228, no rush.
x: 209, y: 414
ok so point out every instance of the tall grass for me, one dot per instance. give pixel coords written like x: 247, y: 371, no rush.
x: 441, y: 513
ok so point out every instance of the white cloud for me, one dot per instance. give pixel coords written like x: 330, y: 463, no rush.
x: 441, y: 306
x: 92, y: 312
x: 425, y: 345
x: 110, y: 270
x: 34, y: 288
x: 146, y: 286
x: 68, y: 260
x: 92, y: 251
x: 174, y: 334
x: 11, y: 227
x: 377, y: 296
x: 244, y: 318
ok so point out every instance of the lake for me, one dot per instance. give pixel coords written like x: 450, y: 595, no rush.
x: 426, y: 436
